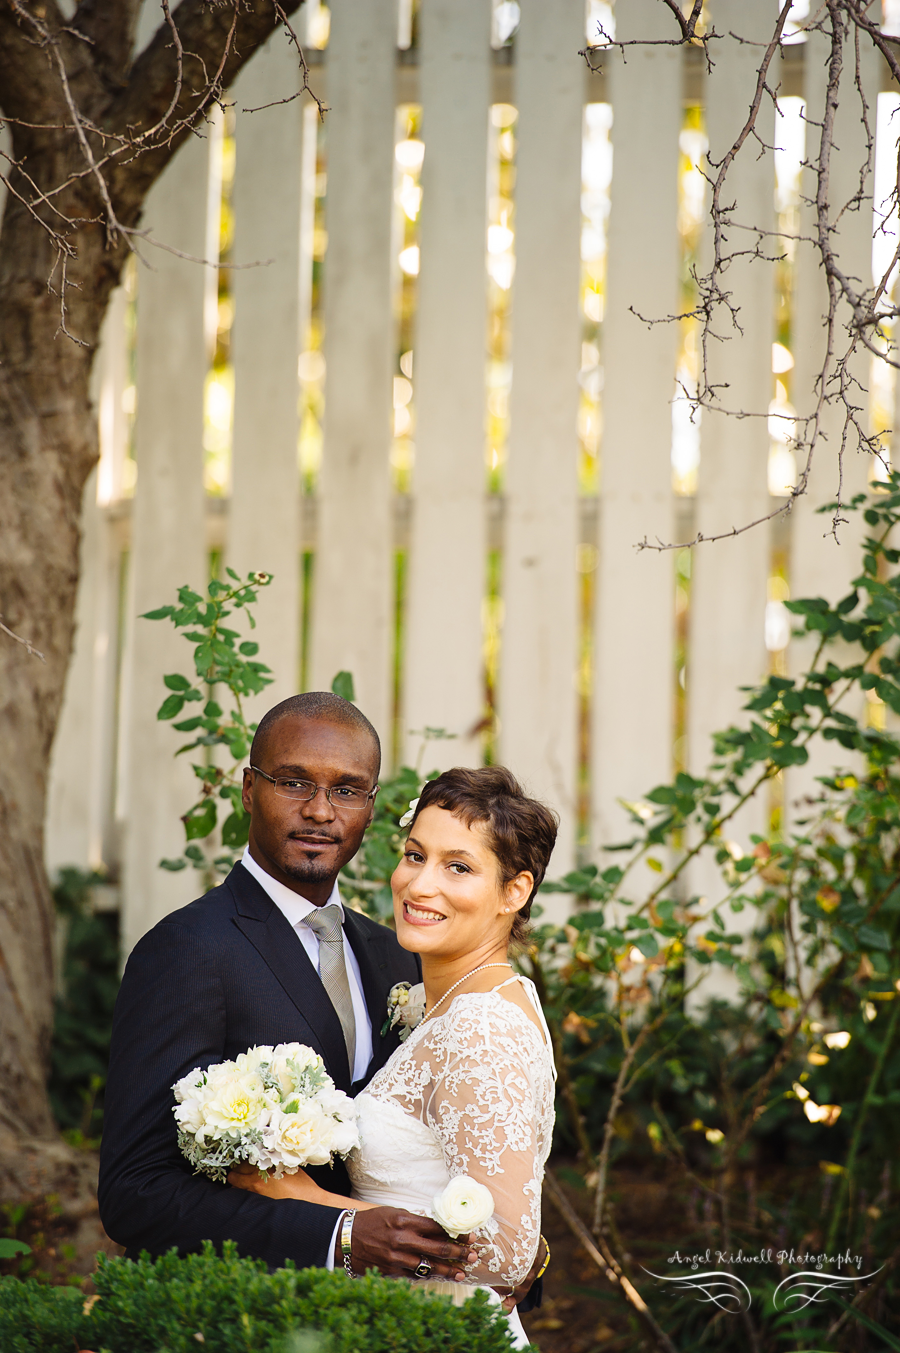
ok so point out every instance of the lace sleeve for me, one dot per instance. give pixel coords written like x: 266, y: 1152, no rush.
x: 483, y: 1110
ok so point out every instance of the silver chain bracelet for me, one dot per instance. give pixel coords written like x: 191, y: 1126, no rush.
x: 346, y: 1240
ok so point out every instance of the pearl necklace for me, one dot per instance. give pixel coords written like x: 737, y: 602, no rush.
x: 450, y: 990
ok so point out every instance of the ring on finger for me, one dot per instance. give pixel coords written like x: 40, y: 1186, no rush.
x: 422, y: 1269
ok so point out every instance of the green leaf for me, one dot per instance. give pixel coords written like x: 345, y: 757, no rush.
x: 188, y: 725
x: 173, y: 865
x: 200, y: 820
x: 176, y: 682
x: 10, y: 1248
x: 172, y: 705
x: 249, y: 648
x: 343, y: 686
x: 236, y: 830
x: 161, y: 614
x: 212, y: 710
x: 867, y: 1321
x: 872, y: 937
x: 647, y: 945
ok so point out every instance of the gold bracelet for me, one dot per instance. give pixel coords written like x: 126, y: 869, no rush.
x: 546, y: 1264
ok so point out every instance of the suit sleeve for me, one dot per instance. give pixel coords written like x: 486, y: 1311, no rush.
x: 170, y: 1018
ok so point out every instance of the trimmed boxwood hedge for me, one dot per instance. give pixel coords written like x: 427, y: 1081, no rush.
x: 224, y: 1304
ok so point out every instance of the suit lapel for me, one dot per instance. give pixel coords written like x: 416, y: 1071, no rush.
x: 274, y: 939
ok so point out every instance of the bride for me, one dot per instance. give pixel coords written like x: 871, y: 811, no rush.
x: 471, y: 1089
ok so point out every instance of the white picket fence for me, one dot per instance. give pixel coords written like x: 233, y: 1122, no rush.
x: 586, y: 692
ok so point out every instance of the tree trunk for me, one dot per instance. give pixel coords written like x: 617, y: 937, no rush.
x: 48, y: 444
x: 54, y: 290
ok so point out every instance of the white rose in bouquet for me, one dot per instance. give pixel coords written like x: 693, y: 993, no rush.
x: 293, y: 1067
x: 298, y: 1053
x: 463, y: 1206
x: 301, y: 1138
x: 190, y: 1115
x: 344, y: 1136
x: 253, y: 1059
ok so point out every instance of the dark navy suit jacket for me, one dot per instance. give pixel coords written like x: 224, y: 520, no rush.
x: 206, y: 983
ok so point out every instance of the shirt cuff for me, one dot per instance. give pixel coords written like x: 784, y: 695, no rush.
x: 329, y: 1261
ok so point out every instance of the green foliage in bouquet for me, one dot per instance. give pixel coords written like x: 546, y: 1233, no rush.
x: 221, y: 659
x: 801, y: 1068
x: 225, y: 1304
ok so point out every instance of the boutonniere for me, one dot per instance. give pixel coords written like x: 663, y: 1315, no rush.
x: 405, y: 1006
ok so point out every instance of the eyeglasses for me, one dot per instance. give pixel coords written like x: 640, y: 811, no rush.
x: 339, y: 796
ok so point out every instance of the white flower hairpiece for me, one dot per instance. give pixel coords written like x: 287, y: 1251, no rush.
x: 410, y: 813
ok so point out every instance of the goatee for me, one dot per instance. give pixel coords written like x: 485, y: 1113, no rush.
x: 308, y: 871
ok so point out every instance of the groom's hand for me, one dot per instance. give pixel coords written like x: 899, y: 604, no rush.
x: 510, y: 1299
x: 395, y: 1242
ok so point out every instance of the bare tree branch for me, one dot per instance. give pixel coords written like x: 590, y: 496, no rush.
x: 26, y: 644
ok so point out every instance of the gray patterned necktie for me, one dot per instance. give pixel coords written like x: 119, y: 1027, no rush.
x: 326, y: 922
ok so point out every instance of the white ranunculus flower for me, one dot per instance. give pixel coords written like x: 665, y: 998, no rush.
x: 463, y: 1206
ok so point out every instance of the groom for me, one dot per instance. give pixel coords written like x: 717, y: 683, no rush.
x: 270, y: 956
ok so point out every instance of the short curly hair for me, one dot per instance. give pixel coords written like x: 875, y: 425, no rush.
x: 521, y: 832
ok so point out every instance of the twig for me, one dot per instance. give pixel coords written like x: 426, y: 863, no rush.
x: 26, y: 644
x: 864, y: 1296
x: 858, y: 1127
x: 620, y: 1280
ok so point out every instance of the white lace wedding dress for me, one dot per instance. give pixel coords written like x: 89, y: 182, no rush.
x: 471, y: 1092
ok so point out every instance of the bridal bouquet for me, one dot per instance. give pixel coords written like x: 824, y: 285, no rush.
x: 275, y: 1108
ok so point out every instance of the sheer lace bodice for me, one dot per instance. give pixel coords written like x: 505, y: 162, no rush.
x: 469, y: 1092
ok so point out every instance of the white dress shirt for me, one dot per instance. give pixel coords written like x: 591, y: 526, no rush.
x: 296, y: 909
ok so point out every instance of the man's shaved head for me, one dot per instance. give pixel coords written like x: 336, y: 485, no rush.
x: 323, y: 706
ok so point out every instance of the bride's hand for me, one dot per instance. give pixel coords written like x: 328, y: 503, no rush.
x: 297, y: 1186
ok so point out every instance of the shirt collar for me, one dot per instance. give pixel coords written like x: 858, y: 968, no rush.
x: 291, y: 904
